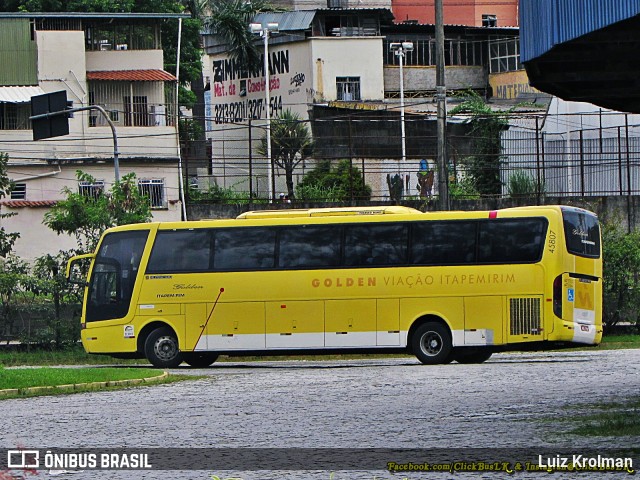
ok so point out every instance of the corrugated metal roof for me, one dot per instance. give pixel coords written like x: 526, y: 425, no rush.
x: 287, y: 21
x: 546, y: 23
x: 19, y: 94
x: 131, y: 75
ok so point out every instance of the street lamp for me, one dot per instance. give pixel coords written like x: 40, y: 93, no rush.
x: 400, y: 48
x: 263, y: 30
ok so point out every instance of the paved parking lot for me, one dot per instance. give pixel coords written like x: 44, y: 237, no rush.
x: 509, y: 402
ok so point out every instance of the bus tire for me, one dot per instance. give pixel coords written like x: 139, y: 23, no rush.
x: 161, y: 348
x: 478, y: 356
x: 431, y: 344
x: 199, y: 359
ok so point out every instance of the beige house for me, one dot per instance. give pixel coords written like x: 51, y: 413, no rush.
x: 111, y: 60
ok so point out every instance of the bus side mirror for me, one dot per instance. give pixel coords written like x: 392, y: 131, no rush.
x: 75, y: 274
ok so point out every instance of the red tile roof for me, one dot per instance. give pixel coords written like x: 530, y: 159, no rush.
x: 28, y: 203
x: 132, y: 75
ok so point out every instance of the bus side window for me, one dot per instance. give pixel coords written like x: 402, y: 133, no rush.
x: 377, y: 244
x: 511, y: 241
x: 180, y: 251
x: 447, y: 242
x: 309, y: 246
x: 245, y: 249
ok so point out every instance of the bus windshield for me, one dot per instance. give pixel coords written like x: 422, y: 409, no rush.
x: 114, y: 274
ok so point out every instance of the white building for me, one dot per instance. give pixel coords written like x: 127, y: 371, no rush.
x: 112, y: 60
x: 319, y: 56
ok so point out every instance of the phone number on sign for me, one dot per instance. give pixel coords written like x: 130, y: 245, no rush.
x: 237, y: 111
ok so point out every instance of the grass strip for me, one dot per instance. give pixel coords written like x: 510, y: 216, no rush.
x: 46, y: 376
x: 117, y: 381
x: 605, y: 419
x: 618, y: 342
x: 609, y: 424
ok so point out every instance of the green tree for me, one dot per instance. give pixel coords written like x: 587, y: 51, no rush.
x: 621, y: 285
x: 14, y: 281
x: 290, y: 144
x: 7, y: 239
x: 343, y: 182
x: 86, y: 217
x: 230, y: 20
x: 63, y: 326
x: 486, y: 129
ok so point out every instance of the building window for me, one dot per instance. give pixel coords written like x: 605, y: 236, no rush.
x: 154, y: 189
x: 504, y: 55
x: 489, y: 20
x: 15, y: 116
x: 149, y: 106
x: 457, y: 51
x: 348, y: 88
x: 19, y: 191
x: 89, y: 189
x: 337, y: 4
x: 136, y: 111
x: 116, y: 35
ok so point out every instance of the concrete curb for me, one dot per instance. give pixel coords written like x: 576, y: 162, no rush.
x: 78, y: 386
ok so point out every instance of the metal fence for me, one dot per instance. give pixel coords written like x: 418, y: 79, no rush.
x: 562, y: 156
x: 584, y: 162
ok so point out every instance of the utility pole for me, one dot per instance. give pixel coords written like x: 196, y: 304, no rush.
x: 441, y: 98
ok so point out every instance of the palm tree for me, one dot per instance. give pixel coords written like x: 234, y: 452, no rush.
x: 290, y: 144
x: 230, y: 20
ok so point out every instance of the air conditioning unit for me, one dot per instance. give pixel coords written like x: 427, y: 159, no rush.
x: 122, y: 46
x: 158, y: 116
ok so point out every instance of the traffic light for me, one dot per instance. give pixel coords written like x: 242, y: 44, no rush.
x: 54, y: 122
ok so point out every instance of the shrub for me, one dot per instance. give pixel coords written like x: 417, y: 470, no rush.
x: 621, y: 286
x: 522, y: 184
x: 339, y: 181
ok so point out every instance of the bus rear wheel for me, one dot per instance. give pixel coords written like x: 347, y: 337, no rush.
x: 199, y: 359
x: 478, y: 356
x: 162, y: 349
x: 431, y: 343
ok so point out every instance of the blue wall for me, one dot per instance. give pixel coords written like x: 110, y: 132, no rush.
x: 545, y: 23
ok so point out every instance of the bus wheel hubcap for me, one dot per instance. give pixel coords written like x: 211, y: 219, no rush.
x: 431, y: 343
x: 166, y: 348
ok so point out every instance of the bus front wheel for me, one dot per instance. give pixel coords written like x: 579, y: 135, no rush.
x: 162, y: 349
x: 199, y: 359
x: 431, y: 343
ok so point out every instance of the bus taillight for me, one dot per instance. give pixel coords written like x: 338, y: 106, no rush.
x: 557, y: 296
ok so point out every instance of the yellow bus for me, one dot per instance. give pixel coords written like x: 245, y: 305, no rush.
x: 444, y: 286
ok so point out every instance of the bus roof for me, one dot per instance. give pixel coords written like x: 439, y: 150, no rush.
x: 328, y: 212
